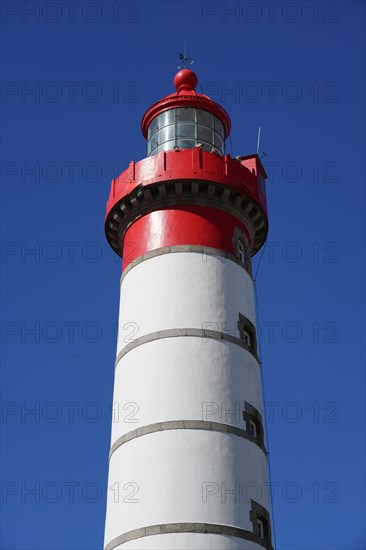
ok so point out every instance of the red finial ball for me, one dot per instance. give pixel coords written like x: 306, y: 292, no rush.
x: 185, y: 80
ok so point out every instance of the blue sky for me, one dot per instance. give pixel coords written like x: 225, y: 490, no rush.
x: 297, y: 70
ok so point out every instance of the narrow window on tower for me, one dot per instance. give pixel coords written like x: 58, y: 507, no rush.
x: 253, y: 428
x: 247, y: 334
x: 241, y: 252
x: 260, y: 528
x: 241, y: 247
x: 253, y: 424
x: 248, y: 338
x: 259, y: 517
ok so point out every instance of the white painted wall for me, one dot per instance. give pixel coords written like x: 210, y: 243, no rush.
x: 170, y: 471
x: 184, y: 378
x: 174, y: 379
x: 183, y: 290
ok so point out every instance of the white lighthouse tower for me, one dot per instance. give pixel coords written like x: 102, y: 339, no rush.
x: 188, y: 464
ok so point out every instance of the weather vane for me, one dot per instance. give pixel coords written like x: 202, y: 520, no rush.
x: 184, y: 59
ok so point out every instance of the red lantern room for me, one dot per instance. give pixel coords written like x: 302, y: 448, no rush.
x: 186, y: 164
x: 185, y: 120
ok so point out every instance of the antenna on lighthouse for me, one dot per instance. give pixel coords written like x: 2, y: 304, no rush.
x: 259, y: 138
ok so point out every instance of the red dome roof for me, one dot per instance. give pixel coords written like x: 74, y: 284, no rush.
x: 185, y: 82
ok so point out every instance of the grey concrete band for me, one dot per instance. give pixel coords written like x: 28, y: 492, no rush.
x: 179, y: 332
x: 184, y: 425
x: 173, y: 528
x: 203, y: 250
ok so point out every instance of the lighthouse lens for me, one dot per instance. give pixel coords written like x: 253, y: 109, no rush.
x: 186, y: 143
x: 204, y: 134
x: 166, y: 134
x: 219, y: 142
x: 219, y: 127
x: 154, y: 141
x: 185, y: 114
x: 152, y: 128
x: 205, y: 118
x: 185, y: 128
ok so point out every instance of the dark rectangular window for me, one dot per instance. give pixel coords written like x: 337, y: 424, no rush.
x: 260, y: 519
x: 247, y: 334
x: 254, y: 424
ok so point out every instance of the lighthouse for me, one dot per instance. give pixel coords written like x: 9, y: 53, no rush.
x: 188, y: 465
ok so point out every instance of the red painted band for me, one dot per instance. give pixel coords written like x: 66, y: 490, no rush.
x: 186, y: 225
